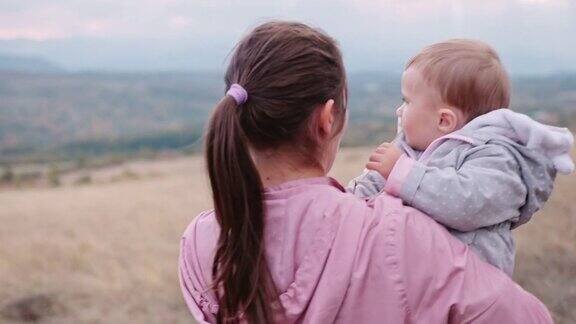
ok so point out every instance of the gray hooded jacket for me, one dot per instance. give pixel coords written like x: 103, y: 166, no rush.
x: 481, y: 181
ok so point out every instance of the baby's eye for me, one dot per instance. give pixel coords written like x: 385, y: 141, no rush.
x: 404, y: 100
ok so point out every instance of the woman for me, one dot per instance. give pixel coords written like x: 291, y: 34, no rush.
x: 287, y: 244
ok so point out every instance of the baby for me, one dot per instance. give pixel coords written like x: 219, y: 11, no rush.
x: 474, y: 166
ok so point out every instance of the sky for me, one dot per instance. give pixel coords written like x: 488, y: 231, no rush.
x: 532, y: 36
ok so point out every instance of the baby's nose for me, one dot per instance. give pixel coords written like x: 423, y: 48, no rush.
x: 399, y: 111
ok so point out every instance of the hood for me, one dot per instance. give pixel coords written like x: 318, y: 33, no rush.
x: 540, y: 150
x: 552, y: 142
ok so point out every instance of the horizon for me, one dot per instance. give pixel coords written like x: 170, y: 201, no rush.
x: 59, y: 70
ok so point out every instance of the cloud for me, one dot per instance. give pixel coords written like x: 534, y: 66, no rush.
x: 373, y: 33
x: 155, y: 18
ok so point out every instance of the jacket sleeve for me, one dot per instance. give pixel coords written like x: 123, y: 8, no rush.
x: 202, y: 306
x: 366, y: 185
x: 440, y: 280
x: 486, y: 189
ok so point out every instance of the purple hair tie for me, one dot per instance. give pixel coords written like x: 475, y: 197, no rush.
x: 238, y: 93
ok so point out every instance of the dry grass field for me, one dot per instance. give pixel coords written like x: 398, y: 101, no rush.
x: 105, y: 252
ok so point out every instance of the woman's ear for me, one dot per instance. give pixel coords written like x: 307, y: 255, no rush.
x: 449, y: 120
x: 326, y: 119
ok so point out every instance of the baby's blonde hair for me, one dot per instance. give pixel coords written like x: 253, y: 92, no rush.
x: 467, y: 73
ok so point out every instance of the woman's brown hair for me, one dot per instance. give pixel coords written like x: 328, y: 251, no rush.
x: 288, y: 70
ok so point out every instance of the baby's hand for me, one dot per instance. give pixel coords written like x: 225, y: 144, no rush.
x: 384, y: 158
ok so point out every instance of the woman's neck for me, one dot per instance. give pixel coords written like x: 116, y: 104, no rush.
x: 276, y: 168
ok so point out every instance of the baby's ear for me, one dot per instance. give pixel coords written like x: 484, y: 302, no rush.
x: 449, y: 120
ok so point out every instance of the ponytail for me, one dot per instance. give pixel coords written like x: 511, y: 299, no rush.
x: 288, y: 69
x: 240, y: 274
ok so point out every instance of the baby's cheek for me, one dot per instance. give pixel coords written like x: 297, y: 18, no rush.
x: 408, y: 135
x: 414, y: 138
x: 408, y: 128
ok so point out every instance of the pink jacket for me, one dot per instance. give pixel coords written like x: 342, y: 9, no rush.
x: 337, y: 258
